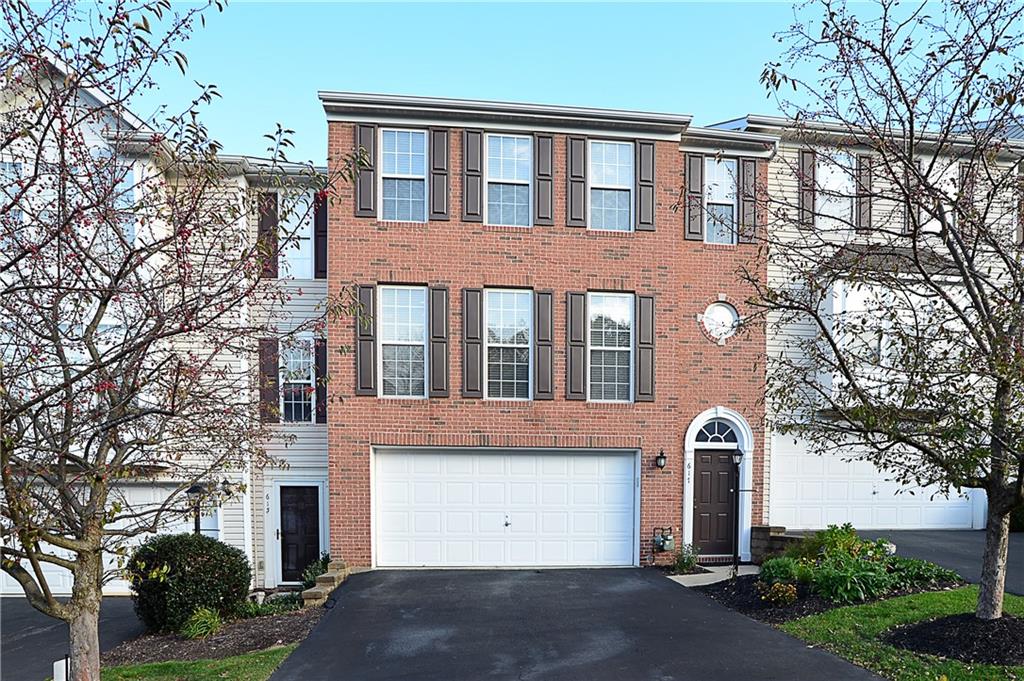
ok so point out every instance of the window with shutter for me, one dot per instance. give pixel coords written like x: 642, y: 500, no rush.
x: 402, y: 339
x: 508, y: 319
x: 509, y: 173
x: 403, y: 171
x: 610, y: 347
x: 611, y: 185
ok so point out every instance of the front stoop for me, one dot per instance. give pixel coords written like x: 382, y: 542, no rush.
x: 337, y: 572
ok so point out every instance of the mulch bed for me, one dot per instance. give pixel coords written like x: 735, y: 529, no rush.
x: 965, y: 638
x: 238, y: 637
x: 739, y: 594
x: 671, y: 570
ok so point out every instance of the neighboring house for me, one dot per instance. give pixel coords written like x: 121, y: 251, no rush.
x: 541, y: 324
x: 806, y: 488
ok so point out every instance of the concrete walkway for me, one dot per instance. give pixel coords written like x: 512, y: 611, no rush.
x: 550, y: 625
x: 959, y: 550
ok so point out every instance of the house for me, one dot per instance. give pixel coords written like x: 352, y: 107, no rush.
x: 546, y: 323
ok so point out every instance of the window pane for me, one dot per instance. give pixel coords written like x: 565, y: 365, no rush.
x: 298, y: 386
x: 508, y: 204
x: 720, y: 226
x: 403, y: 315
x: 609, y: 209
x: 404, y: 200
x: 509, y: 158
x: 609, y: 375
x: 720, y: 180
x: 403, y: 152
x: 402, y: 370
x: 834, y: 198
x: 611, y: 341
x: 508, y: 373
x: 508, y: 315
x: 611, y: 164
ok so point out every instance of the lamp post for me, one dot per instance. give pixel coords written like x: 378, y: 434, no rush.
x: 737, y: 457
x: 195, y: 496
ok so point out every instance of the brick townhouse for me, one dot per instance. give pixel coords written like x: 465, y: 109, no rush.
x: 551, y: 361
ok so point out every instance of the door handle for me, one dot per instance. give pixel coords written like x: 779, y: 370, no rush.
x: 277, y: 533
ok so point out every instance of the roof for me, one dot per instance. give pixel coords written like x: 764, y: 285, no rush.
x: 368, y: 106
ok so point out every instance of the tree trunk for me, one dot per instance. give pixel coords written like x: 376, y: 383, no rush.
x: 85, y: 644
x: 993, y: 565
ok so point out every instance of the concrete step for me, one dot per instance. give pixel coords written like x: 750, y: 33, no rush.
x: 325, y: 584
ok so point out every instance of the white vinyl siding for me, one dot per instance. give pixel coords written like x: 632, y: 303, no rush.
x: 720, y: 201
x: 404, y: 175
x: 509, y: 173
x: 610, y: 347
x: 402, y: 323
x: 833, y: 198
x: 508, y: 337
x: 298, y: 380
x: 611, y: 186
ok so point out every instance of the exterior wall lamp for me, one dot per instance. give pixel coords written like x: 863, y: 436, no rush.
x: 660, y: 460
x: 195, y: 495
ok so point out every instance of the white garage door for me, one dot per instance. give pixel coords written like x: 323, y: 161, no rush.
x: 59, y: 579
x: 809, y: 491
x: 463, y: 508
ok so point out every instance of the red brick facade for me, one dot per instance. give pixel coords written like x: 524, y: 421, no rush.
x: 692, y: 372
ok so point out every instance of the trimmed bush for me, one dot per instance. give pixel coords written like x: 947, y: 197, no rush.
x: 780, y: 570
x: 203, y: 622
x: 174, y: 575
x: 314, y: 570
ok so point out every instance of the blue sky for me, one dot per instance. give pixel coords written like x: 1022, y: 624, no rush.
x: 269, y: 59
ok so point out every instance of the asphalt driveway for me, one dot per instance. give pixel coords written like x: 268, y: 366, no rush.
x: 958, y: 550
x: 30, y: 641
x: 454, y: 625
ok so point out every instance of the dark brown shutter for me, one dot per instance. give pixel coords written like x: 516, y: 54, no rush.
x: 270, y: 410
x: 864, y: 184
x: 806, y: 172
x: 472, y: 176
x: 320, y: 239
x: 438, y: 324
x: 543, y: 343
x: 576, y: 346
x: 320, y: 362
x: 267, y: 233
x: 576, y: 178
x: 693, y: 204
x: 366, y: 343
x: 644, y: 383
x: 543, y: 180
x: 911, y: 202
x: 748, y: 200
x: 966, y: 199
x: 644, y: 186
x: 438, y: 174
x: 366, y: 173
x: 472, y: 343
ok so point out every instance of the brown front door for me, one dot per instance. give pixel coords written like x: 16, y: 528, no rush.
x: 713, y: 491
x: 300, y: 530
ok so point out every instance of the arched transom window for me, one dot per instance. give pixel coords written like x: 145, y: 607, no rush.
x: 717, y: 432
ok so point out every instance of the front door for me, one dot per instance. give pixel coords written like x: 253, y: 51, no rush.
x: 300, y: 530
x: 713, y: 489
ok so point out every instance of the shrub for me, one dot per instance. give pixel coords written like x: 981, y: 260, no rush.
x: 314, y: 570
x: 686, y: 559
x: 782, y: 569
x: 846, y: 579
x: 805, y: 570
x: 778, y: 594
x: 174, y: 575
x: 203, y: 622
x: 908, y: 573
x: 834, y: 539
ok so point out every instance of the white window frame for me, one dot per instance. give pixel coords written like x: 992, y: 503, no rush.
x: 592, y: 185
x: 395, y: 176
x: 305, y: 340
x: 706, y: 214
x: 302, y: 207
x: 425, y: 342
x: 487, y: 179
x: 632, y: 343
x: 487, y: 345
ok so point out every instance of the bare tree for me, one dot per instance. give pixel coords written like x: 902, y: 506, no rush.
x: 131, y: 279
x: 896, y: 271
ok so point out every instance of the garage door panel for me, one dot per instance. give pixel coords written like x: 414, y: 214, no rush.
x: 811, y: 491
x: 505, y: 508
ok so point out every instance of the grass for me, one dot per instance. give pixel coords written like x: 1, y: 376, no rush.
x: 853, y: 633
x: 255, y: 666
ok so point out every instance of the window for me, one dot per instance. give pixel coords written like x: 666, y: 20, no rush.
x: 720, y: 201
x: 403, y: 341
x: 209, y: 523
x: 833, y: 198
x: 10, y: 175
x: 295, y: 232
x: 611, y: 186
x: 509, y: 169
x: 610, y: 349
x: 404, y: 175
x: 507, y: 316
x: 720, y: 320
x: 298, y: 381
x: 716, y: 432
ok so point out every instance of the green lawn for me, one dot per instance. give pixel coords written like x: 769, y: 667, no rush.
x: 255, y: 666
x: 853, y: 632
